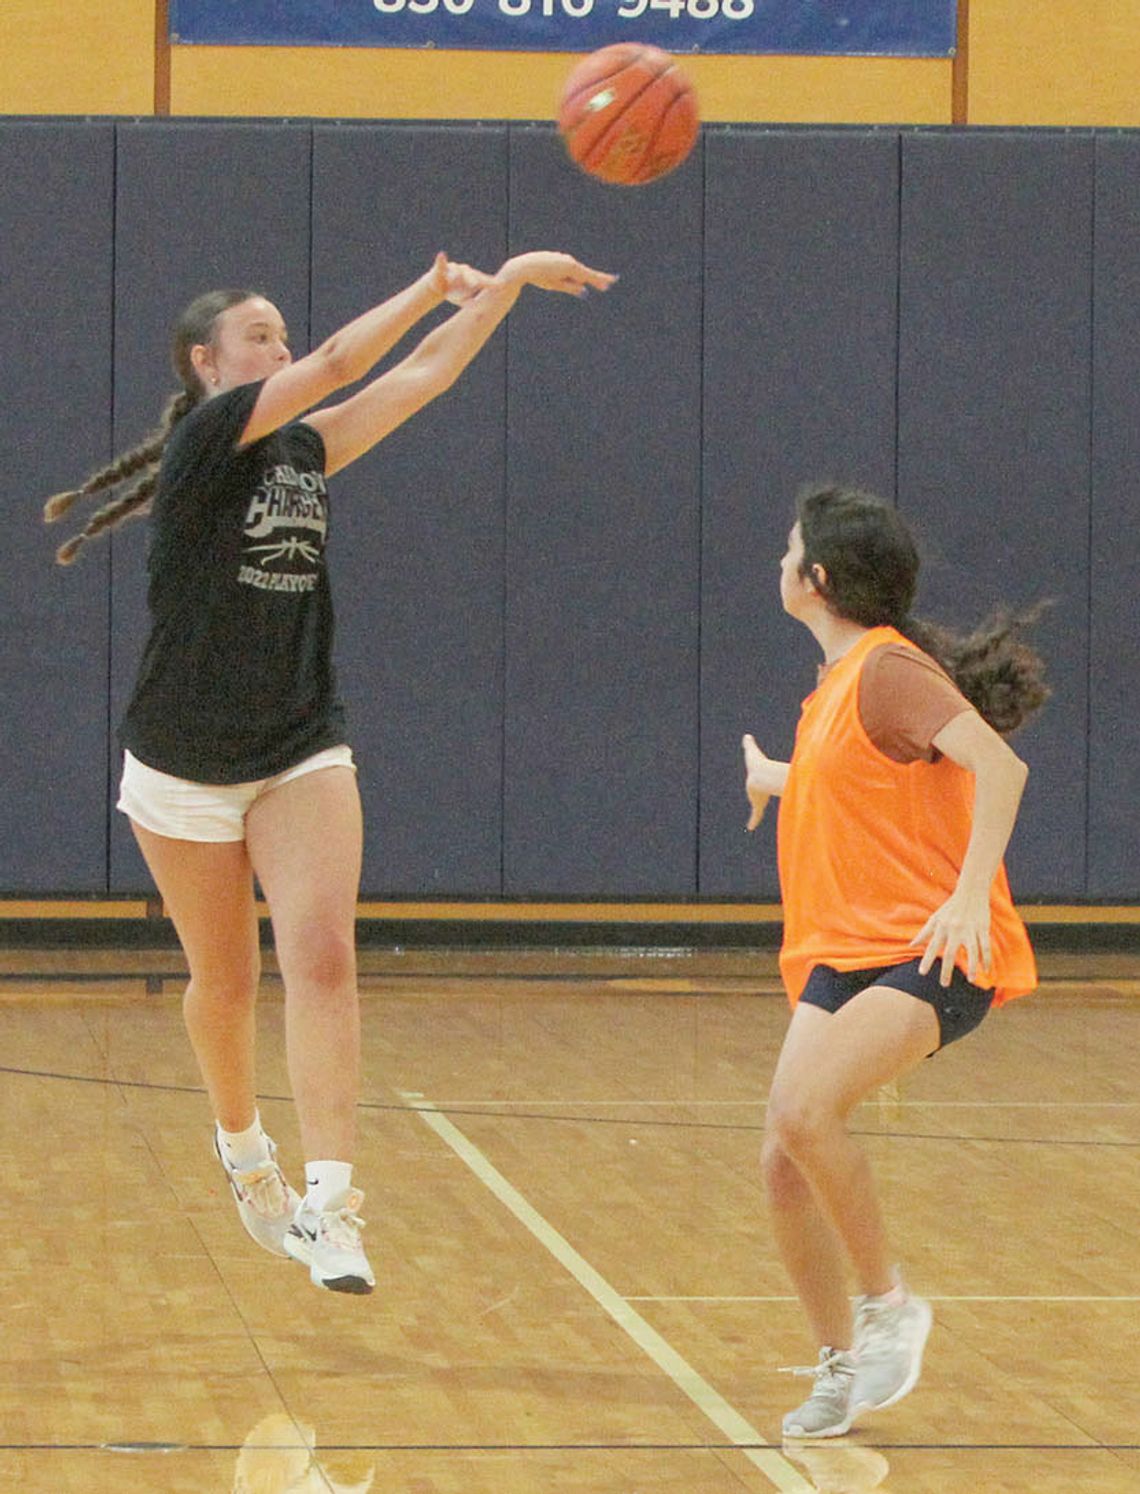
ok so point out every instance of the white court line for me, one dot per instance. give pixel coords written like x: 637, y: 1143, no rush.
x: 551, y: 1104
x: 727, y: 1420
x: 928, y: 1299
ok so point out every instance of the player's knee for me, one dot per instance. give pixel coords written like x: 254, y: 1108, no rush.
x: 795, y: 1128
x: 782, y: 1178
x: 320, y: 957
x: 231, y: 983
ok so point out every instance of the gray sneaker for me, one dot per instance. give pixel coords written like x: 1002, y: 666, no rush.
x: 829, y: 1410
x: 266, y: 1204
x: 889, y: 1339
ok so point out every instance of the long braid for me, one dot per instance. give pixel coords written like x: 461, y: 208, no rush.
x: 195, y: 326
x: 106, y: 477
x: 135, y: 502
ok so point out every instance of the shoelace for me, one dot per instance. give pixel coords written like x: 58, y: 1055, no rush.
x: 265, y: 1188
x: 342, y: 1228
x: 831, y: 1368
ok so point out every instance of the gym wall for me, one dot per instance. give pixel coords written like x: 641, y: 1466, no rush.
x: 557, y: 587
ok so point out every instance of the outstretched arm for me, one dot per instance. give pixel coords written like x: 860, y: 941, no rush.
x: 351, y: 428
x: 349, y: 353
x: 963, y: 920
x: 763, y: 777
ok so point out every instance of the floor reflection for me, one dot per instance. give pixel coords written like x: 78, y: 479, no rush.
x: 839, y: 1467
x: 280, y: 1457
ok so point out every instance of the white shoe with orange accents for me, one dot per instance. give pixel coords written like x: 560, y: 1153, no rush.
x: 266, y: 1204
x: 328, y: 1242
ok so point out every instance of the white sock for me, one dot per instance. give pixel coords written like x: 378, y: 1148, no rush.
x: 897, y: 1294
x: 325, y: 1181
x: 247, y: 1149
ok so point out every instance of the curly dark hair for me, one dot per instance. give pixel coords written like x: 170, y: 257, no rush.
x: 871, y: 563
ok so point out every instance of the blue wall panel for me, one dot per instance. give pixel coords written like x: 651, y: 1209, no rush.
x: 56, y: 257
x: 557, y: 587
x: 799, y: 385
x: 602, y: 564
x: 417, y: 548
x: 1114, y: 670
x: 995, y: 309
x: 199, y: 206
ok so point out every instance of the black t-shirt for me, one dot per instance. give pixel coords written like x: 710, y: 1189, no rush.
x: 237, y: 681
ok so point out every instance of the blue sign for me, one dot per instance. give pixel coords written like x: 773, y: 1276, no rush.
x: 879, y: 28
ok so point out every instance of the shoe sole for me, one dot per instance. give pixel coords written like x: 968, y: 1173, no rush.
x: 355, y: 1286
x: 838, y: 1430
x: 915, y: 1370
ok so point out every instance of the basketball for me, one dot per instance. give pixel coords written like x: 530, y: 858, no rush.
x: 628, y: 114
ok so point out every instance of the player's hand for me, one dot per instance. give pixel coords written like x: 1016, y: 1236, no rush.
x: 455, y: 282
x: 464, y: 283
x: 756, y: 776
x: 551, y: 271
x: 962, y: 923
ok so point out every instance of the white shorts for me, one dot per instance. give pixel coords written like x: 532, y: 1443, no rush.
x: 182, y: 810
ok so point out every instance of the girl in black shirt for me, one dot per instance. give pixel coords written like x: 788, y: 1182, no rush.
x: 236, y: 764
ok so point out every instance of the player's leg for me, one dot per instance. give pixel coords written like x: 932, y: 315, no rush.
x: 829, y: 1063
x: 822, y: 1194
x: 207, y: 889
x: 809, y: 1247
x: 305, y: 842
x: 813, y: 1256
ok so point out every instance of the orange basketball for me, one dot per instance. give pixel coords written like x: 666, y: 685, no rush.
x: 628, y: 114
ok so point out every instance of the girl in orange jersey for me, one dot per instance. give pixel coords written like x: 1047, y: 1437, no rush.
x: 899, y: 929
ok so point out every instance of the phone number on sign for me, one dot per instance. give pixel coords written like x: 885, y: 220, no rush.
x: 628, y: 10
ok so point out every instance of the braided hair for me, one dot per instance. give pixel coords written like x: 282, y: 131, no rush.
x: 871, y: 564
x: 196, y: 325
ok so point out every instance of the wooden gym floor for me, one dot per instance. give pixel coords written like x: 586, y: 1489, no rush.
x: 578, y: 1292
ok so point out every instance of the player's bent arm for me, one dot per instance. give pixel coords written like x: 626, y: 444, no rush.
x: 999, y: 780
x: 344, y: 357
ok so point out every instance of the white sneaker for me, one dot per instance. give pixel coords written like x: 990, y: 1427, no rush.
x: 329, y: 1244
x: 829, y: 1410
x: 266, y: 1204
x: 890, y: 1335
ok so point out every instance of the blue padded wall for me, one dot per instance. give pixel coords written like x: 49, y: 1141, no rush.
x: 199, y: 206
x: 1114, y: 669
x: 602, y: 537
x: 56, y: 258
x: 799, y: 385
x: 558, y: 586
x: 993, y: 454
x: 417, y: 546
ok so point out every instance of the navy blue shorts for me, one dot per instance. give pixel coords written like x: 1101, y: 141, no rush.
x: 959, y: 1007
